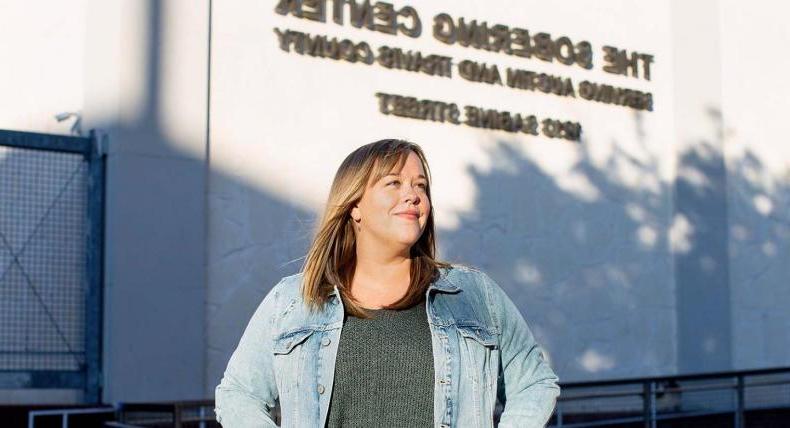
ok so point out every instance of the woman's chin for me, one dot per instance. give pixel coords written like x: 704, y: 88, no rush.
x: 408, y: 239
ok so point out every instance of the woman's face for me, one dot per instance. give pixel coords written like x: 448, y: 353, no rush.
x: 394, y: 210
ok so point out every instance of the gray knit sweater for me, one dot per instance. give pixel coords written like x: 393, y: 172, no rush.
x: 384, y: 371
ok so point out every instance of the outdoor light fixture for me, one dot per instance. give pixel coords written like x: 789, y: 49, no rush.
x: 76, y: 127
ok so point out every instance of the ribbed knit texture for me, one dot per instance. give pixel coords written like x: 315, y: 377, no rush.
x: 384, y: 371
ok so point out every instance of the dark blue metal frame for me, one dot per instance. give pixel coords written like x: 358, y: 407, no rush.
x: 89, y: 379
x: 645, y: 387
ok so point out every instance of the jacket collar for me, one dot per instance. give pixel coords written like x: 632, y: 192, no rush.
x: 442, y: 283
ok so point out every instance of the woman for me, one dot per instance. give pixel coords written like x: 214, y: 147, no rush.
x: 375, y: 331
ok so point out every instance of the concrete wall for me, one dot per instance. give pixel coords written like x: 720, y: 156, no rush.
x: 756, y: 99
x: 149, y: 64
x: 653, y: 246
x: 699, y: 224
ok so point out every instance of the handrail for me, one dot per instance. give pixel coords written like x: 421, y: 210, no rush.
x: 65, y: 413
x: 683, y: 377
x: 175, y: 409
x: 651, y: 390
x: 115, y: 424
x: 713, y: 387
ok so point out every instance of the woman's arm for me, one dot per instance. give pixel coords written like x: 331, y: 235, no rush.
x: 247, y: 393
x: 527, y: 387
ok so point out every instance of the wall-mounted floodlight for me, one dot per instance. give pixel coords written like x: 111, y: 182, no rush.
x: 76, y: 127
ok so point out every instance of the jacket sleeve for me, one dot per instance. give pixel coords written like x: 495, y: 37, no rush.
x: 246, y: 395
x: 527, y: 385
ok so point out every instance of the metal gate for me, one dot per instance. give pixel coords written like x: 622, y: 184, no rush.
x: 51, y: 246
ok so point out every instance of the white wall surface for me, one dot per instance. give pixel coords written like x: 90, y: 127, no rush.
x: 43, y: 74
x: 756, y: 99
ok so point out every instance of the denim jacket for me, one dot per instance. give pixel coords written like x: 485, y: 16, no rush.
x: 482, y: 349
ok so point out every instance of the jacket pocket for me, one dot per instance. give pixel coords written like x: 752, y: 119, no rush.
x: 287, y: 341
x: 479, y: 349
x: 478, y: 334
x: 290, y: 367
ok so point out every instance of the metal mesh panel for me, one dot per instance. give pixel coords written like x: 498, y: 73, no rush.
x: 43, y: 252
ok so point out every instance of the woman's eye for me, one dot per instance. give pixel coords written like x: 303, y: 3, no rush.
x: 423, y: 185
x: 393, y: 182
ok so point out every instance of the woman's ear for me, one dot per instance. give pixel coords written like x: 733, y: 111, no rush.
x: 355, y: 214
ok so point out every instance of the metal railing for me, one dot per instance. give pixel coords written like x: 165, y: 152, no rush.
x: 724, y: 398
x: 65, y: 414
x: 177, y: 414
x: 646, y: 401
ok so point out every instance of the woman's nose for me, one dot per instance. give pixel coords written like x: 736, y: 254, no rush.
x: 411, y: 194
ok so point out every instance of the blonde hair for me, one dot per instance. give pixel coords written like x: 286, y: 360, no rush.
x: 331, y: 259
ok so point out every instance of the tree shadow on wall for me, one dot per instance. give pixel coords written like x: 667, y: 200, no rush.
x: 759, y: 251
x: 587, y: 268
x: 593, y: 256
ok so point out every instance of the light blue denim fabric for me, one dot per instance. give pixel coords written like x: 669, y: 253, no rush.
x: 482, y: 349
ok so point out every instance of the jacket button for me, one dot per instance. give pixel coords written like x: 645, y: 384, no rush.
x: 320, y: 388
x: 326, y: 341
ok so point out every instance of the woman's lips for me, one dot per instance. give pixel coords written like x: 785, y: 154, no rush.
x: 408, y: 216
